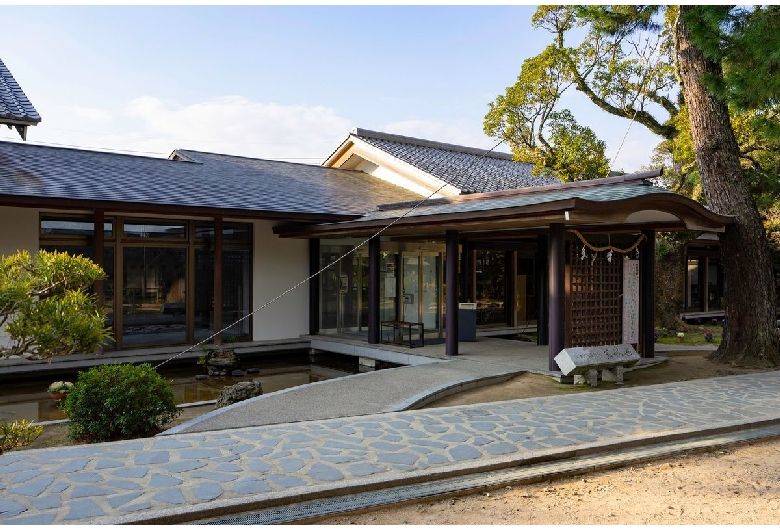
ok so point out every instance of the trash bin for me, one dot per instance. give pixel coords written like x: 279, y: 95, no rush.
x: 467, y: 322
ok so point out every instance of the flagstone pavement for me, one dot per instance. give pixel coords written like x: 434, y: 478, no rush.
x: 188, y: 476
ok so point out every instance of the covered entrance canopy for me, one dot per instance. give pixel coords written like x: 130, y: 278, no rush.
x: 589, y: 218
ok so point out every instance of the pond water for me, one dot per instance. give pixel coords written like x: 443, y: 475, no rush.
x: 28, y: 400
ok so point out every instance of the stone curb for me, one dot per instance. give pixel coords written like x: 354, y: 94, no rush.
x: 214, y: 509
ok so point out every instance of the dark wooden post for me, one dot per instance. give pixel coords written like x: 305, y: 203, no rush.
x: 647, y: 295
x: 218, y: 280
x: 472, y: 272
x: 314, y: 286
x: 463, y: 280
x: 451, y: 339
x: 99, y: 241
x: 373, y: 290
x: 704, y: 283
x: 542, y: 293
x: 511, y: 287
x: 555, y: 261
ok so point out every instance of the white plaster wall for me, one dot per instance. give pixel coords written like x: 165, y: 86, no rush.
x: 18, y: 231
x: 278, y: 265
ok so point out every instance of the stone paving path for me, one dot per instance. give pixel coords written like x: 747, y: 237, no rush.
x: 139, y: 480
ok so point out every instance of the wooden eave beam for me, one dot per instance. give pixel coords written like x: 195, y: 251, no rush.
x: 195, y: 211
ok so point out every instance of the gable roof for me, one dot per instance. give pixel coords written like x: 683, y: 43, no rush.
x: 191, y: 182
x: 607, y: 203
x: 15, y: 109
x: 469, y: 169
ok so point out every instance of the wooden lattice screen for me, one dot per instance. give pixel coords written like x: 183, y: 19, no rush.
x: 594, y: 302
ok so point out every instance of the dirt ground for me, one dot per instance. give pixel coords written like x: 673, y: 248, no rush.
x: 740, y: 485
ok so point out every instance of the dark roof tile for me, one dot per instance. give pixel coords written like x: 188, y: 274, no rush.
x: 468, y: 169
x: 14, y: 105
x: 209, y: 181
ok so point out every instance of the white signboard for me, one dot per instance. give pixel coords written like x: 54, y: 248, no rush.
x: 389, y: 287
x: 630, y: 301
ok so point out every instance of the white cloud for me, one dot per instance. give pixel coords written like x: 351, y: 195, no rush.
x: 81, y: 113
x: 231, y: 125
x: 236, y: 125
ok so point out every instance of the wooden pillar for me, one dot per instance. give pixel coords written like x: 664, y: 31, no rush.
x: 542, y: 292
x: 218, y: 280
x: 556, y: 314
x: 373, y: 290
x: 511, y: 287
x: 314, y: 286
x: 472, y: 272
x: 451, y: 339
x: 647, y: 295
x: 463, y: 279
x: 99, y: 242
x: 704, y: 282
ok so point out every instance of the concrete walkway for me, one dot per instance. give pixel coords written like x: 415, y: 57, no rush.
x: 189, y: 477
x: 485, y: 362
x: 430, y: 375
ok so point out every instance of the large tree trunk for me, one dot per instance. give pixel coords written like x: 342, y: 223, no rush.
x: 748, y: 336
x: 669, y: 282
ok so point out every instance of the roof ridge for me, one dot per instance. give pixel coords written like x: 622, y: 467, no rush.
x: 632, y: 179
x: 243, y: 157
x: 422, y: 142
x: 29, y: 145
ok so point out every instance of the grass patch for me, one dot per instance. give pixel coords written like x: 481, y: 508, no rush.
x: 697, y: 336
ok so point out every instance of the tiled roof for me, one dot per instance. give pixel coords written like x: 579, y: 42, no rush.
x: 207, y: 181
x: 469, y: 169
x: 612, y: 192
x: 14, y: 105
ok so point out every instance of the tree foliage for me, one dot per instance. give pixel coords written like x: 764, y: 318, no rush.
x: 526, y: 118
x: 45, y: 307
x: 626, y: 60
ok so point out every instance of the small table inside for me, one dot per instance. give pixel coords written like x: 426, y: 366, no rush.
x: 401, y: 332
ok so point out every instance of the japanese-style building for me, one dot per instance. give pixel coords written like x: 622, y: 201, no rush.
x: 401, y: 230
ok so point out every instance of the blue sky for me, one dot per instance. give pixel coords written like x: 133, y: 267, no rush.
x: 275, y: 82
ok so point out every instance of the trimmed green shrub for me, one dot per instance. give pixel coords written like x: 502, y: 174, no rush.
x: 118, y: 401
x: 17, y: 434
x: 46, y: 307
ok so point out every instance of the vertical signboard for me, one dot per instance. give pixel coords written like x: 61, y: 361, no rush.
x: 630, y: 301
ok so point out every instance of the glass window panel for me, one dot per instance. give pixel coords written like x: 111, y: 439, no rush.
x: 69, y: 226
x: 388, y: 286
x: 491, y: 287
x: 693, y: 284
x: 236, y: 293
x: 204, y: 294
x: 154, y: 296
x: 236, y: 232
x: 430, y: 266
x: 155, y: 230
x: 231, y: 232
x: 411, y: 285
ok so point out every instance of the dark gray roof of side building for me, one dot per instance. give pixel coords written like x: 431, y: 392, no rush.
x: 200, y: 180
x: 470, y: 169
x: 14, y: 105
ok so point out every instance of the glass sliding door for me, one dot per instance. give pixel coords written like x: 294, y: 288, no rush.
x: 343, y: 290
x: 410, y: 300
x: 236, y: 293
x: 430, y: 267
x: 154, y: 308
x: 491, y: 287
x: 421, y: 298
x: 236, y: 270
